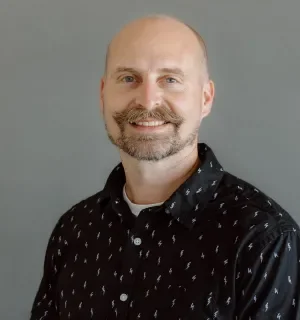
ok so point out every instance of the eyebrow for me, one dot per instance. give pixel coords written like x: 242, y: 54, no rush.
x: 175, y: 70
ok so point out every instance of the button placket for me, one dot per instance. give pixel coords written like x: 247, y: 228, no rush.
x: 123, y: 297
x: 137, y: 241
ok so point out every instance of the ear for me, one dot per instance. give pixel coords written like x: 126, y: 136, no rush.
x: 208, y: 95
x: 102, y: 85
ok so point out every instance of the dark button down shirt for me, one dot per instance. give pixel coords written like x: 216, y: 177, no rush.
x: 217, y: 249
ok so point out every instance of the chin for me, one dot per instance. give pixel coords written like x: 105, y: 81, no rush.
x: 150, y: 150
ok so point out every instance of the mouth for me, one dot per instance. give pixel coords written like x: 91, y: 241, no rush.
x: 148, y: 123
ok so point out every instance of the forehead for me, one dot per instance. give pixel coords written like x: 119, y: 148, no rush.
x: 154, y: 50
x: 153, y: 63
x: 153, y: 59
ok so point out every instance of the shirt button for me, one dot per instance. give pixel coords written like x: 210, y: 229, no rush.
x: 123, y: 297
x: 137, y: 241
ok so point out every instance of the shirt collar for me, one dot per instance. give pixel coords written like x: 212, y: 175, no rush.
x: 187, y: 201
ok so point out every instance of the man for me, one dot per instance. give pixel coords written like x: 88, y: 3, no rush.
x: 172, y: 235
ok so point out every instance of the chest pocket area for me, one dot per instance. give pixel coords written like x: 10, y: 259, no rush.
x: 184, y: 297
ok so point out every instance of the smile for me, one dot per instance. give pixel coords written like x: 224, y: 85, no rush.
x: 148, y: 123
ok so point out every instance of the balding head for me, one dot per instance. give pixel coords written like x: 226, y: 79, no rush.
x: 183, y: 30
x: 156, y: 74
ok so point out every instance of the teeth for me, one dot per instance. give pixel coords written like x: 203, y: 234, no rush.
x: 149, y: 123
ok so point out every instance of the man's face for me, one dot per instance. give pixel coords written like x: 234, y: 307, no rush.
x: 152, y: 94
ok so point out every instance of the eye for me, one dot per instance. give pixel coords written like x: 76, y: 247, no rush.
x: 128, y: 79
x: 171, y: 80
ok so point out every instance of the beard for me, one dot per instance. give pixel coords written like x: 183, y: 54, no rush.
x: 150, y: 146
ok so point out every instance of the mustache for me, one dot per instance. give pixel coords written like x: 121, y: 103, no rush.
x: 137, y: 114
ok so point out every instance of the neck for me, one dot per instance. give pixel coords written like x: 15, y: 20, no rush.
x: 154, y: 182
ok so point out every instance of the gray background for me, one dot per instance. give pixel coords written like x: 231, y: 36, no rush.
x: 54, y: 149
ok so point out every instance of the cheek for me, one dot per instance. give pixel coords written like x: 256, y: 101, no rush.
x: 110, y: 107
x: 114, y: 99
x: 188, y: 108
x: 194, y: 107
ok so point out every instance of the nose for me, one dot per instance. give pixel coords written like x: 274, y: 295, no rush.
x: 149, y: 95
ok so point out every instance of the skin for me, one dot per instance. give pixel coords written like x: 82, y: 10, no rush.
x: 155, y: 71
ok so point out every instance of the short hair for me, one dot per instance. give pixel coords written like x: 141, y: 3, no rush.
x: 196, y: 33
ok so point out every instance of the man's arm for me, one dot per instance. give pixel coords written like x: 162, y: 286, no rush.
x: 44, y: 305
x: 268, y: 278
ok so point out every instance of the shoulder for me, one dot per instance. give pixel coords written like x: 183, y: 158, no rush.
x: 258, y: 217
x: 80, y: 214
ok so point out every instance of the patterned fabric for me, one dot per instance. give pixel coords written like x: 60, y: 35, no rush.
x: 217, y: 249
x: 137, y: 208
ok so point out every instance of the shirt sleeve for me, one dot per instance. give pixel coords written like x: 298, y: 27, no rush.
x: 44, y: 305
x: 268, y: 278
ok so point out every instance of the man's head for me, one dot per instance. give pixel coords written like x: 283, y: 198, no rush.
x: 156, y: 89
